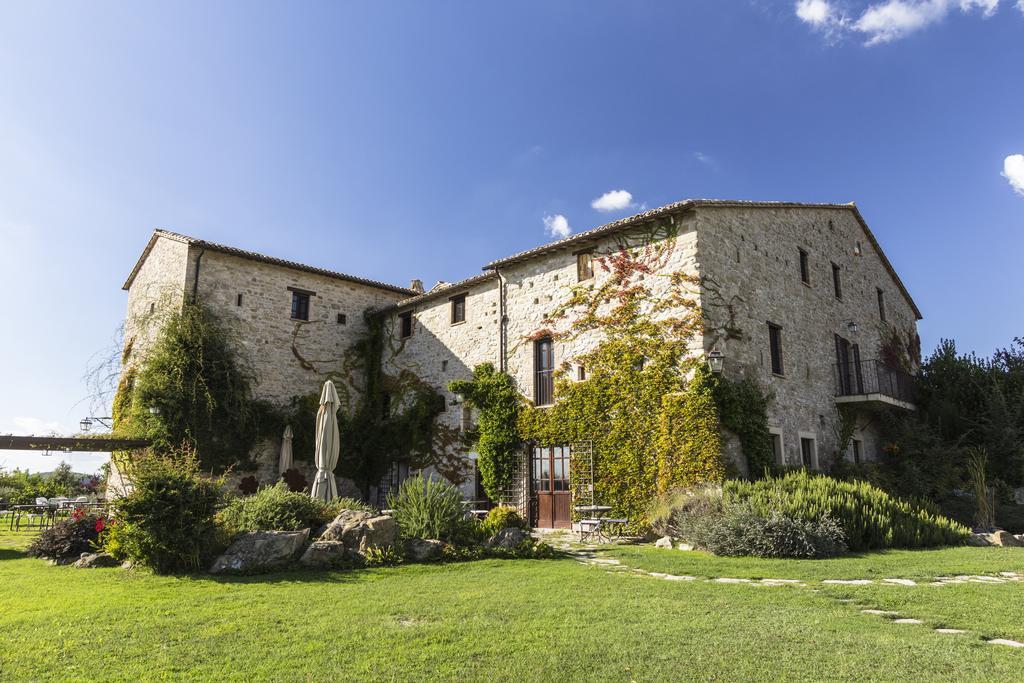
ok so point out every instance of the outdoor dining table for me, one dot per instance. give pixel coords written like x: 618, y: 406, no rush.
x: 590, y: 526
x: 20, y: 510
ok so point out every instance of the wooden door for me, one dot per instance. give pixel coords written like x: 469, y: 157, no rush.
x: 552, y: 495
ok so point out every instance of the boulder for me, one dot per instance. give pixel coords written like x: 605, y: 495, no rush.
x: 260, y: 551
x: 663, y: 542
x: 94, y: 560
x: 978, y: 540
x: 423, y: 550
x: 359, y: 530
x: 1005, y: 538
x: 508, y: 538
x: 330, y: 555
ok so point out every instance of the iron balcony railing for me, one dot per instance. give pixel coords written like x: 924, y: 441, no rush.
x: 859, y: 378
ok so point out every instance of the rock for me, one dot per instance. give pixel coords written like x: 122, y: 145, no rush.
x: 128, y: 565
x: 1018, y: 496
x: 978, y: 540
x: 260, y: 551
x: 360, y: 530
x: 663, y: 542
x: 423, y: 550
x: 685, y: 546
x: 1005, y: 538
x: 330, y: 555
x: 94, y: 560
x: 509, y: 538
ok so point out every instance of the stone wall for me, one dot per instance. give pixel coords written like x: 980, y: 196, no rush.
x: 752, y: 258
x: 157, y: 290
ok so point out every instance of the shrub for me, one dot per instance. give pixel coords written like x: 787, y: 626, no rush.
x: 69, y: 538
x: 870, y: 518
x: 273, y: 508
x: 166, y: 522
x: 674, y: 513
x: 428, y: 508
x: 501, y: 517
x: 737, y: 530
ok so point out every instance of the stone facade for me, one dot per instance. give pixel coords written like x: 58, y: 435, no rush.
x: 746, y: 256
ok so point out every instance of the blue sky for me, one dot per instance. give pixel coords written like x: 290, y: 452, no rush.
x: 399, y: 140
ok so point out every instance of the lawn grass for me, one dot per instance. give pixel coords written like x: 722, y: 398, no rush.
x: 902, y: 564
x: 490, y: 620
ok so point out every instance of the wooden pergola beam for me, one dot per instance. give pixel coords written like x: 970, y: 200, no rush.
x: 99, y: 444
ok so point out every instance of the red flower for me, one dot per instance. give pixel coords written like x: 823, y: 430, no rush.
x: 100, y: 525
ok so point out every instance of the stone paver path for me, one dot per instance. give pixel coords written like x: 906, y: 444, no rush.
x: 587, y: 554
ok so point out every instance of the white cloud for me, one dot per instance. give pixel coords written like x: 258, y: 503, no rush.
x: 889, y: 20
x: 1013, y: 170
x: 614, y: 200
x: 815, y: 12
x: 557, y: 226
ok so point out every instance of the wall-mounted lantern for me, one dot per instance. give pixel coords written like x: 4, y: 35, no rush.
x: 852, y: 326
x: 716, y: 361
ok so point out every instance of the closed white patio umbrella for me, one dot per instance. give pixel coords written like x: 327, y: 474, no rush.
x: 285, y: 463
x: 327, y: 444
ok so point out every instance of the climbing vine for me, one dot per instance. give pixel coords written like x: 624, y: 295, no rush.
x: 641, y: 356
x: 496, y: 436
x: 743, y: 410
x: 193, y: 390
x: 689, y: 443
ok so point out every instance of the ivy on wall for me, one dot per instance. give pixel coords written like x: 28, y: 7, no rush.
x: 496, y: 436
x: 689, y: 436
x: 194, y: 390
x: 641, y: 357
x: 743, y: 410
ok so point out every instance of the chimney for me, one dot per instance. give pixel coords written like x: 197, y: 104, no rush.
x: 416, y: 286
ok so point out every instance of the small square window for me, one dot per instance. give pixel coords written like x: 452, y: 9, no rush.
x: 458, y: 309
x: 405, y: 325
x: 581, y: 373
x: 808, y: 452
x: 238, y: 299
x: 805, y: 269
x: 857, y: 450
x: 300, y: 305
x: 778, y: 445
x: 444, y: 366
x: 837, y: 280
x: 342, y: 319
x: 584, y: 266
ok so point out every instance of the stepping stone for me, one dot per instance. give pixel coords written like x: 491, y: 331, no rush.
x: 1012, y: 575
x: 880, y: 612
x: 673, y: 577
x: 985, y: 579
x: 907, y: 621
x: 900, y: 582
x: 950, y: 631
x: 779, y: 582
x: 849, y: 582
x: 1004, y: 641
x: 725, y: 579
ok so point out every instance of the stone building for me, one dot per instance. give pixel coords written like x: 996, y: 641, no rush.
x: 798, y: 297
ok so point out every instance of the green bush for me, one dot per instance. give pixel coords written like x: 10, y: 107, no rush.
x: 676, y: 512
x: 870, y: 517
x: 737, y: 531
x: 273, y: 508
x: 428, y: 508
x: 167, y: 521
x: 502, y: 517
x: 68, y: 539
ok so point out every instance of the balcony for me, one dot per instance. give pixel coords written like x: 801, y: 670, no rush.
x: 873, y: 382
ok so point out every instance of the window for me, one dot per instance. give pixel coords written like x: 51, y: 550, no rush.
x: 342, y: 319
x: 458, y: 309
x: 444, y: 365
x: 777, y: 445
x: 543, y: 366
x: 385, y: 406
x: 584, y: 266
x: 152, y: 308
x: 837, y: 282
x: 581, y: 373
x: 857, y: 447
x: 238, y: 299
x: 808, y: 451
x: 300, y: 303
x: 442, y: 404
x: 775, y: 347
x: 805, y: 271
x: 881, y: 304
x: 551, y: 469
x: 405, y: 325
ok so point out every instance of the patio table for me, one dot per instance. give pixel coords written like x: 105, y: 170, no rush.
x: 591, y: 527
